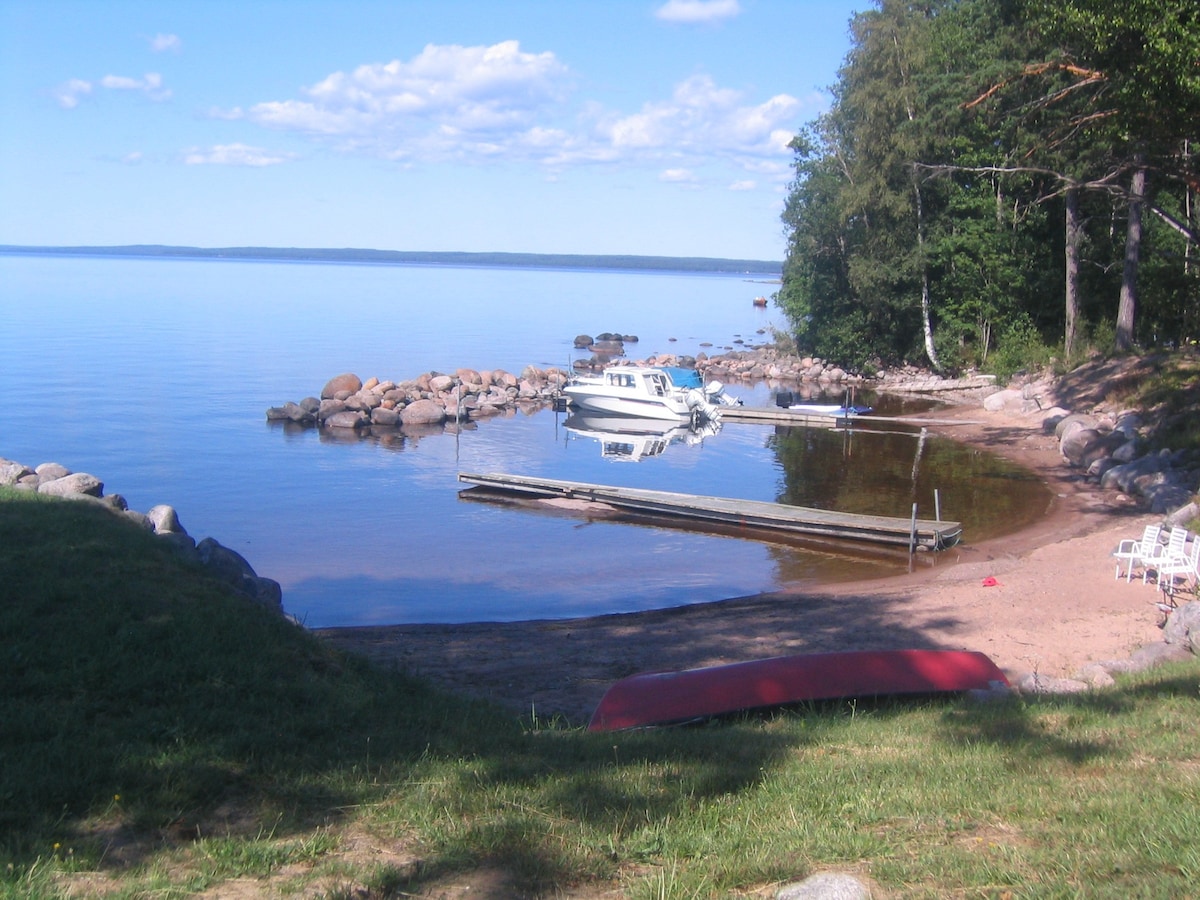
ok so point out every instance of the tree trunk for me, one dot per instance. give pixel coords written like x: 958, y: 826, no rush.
x: 1072, y: 271
x: 926, y: 317
x: 1133, y: 244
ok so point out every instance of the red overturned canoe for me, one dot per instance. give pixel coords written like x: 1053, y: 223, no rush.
x: 660, y: 698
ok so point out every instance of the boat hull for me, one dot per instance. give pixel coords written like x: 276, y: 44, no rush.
x: 588, y: 400
x: 663, y: 698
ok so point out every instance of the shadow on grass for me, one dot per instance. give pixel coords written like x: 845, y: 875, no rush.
x: 144, y: 706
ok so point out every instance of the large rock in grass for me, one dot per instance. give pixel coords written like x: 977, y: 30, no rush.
x: 80, y: 483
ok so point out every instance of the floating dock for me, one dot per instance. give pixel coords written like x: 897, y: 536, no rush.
x: 911, y: 533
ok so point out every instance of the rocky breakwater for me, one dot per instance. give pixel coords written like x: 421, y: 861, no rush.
x: 433, y: 399
x: 54, y: 480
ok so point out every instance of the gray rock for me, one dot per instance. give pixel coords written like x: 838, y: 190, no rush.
x: 77, y: 483
x: 330, y: 408
x: 267, y: 592
x: 165, y: 520
x: 1072, y: 422
x: 1152, y: 655
x: 1183, y: 627
x: 49, y: 471
x: 1096, y: 675
x: 226, y: 564
x: 348, y: 383
x: 825, y: 886
x: 139, y: 519
x: 182, y: 542
x: 347, y: 419
x: 1035, y: 683
x: 11, y: 472
x: 423, y: 412
x: 387, y: 418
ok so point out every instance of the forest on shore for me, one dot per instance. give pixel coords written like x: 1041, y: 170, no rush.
x: 999, y: 182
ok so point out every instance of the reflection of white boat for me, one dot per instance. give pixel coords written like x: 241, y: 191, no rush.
x: 630, y: 439
x: 649, y: 393
x: 788, y: 400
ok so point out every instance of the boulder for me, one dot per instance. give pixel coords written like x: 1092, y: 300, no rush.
x: 228, y: 565
x: 11, y: 473
x: 50, y: 471
x: 1183, y: 627
x: 348, y: 383
x: 825, y: 886
x: 423, y: 412
x: 387, y: 418
x: 79, y: 483
x: 441, y: 383
x: 347, y: 419
x: 164, y: 520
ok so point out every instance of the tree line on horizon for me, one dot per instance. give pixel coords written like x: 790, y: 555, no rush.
x: 1000, y: 180
x: 633, y: 262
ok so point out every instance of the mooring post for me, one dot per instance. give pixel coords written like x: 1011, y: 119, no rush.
x: 937, y: 505
x: 912, y: 536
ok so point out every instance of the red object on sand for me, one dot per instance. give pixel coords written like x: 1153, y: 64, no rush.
x: 661, y: 698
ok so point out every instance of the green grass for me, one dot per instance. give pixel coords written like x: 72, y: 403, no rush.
x: 160, y: 737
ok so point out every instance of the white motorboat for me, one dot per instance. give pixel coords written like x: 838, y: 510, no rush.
x: 647, y: 392
x: 627, y: 439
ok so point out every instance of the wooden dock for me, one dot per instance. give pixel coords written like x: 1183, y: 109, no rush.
x: 758, y: 514
x: 756, y: 415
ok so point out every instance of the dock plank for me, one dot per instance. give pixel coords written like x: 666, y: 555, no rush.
x: 931, y: 535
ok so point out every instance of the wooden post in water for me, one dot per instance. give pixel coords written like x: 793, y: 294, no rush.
x: 912, y: 536
x: 937, y: 506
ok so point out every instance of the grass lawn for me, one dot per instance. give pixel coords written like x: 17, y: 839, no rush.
x: 160, y: 737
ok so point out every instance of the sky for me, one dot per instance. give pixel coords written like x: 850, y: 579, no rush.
x: 648, y: 127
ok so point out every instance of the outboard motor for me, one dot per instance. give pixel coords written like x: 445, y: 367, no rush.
x: 783, y: 399
x: 715, y: 392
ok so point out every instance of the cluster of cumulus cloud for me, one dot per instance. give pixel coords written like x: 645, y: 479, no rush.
x: 452, y: 103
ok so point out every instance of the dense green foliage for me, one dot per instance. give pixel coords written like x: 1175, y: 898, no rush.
x: 930, y: 217
x: 162, y: 738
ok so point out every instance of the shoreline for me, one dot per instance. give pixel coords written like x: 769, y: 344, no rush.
x: 1053, y: 608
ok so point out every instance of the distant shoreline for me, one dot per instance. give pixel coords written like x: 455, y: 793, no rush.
x: 420, y: 257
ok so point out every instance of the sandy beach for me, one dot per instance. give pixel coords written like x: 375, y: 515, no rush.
x: 1041, y: 600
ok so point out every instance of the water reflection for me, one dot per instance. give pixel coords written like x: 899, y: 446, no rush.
x: 629, y: 439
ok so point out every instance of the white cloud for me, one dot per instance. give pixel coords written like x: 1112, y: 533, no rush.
x: 744, y: 185
x: 69, y: 94
x: 132, y: 159
x: 703, y: 119
x: 677, y: 176
x: 161, y: 43
x: 447, y: 101
x: 234, y: 155
x: 150, y: 84
x: 697, y: 11
x: 502, y: 104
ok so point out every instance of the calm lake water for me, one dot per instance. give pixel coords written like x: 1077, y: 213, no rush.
x: 155, y: 375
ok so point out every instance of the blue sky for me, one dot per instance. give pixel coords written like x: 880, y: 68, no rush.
x: 653, y: 127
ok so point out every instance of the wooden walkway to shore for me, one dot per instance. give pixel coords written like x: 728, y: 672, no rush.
x: 912, y: 533
x: 780, y: 416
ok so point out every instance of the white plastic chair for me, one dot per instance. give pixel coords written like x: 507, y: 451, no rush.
x: 1137, y: 552
x: 1183, y: 564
